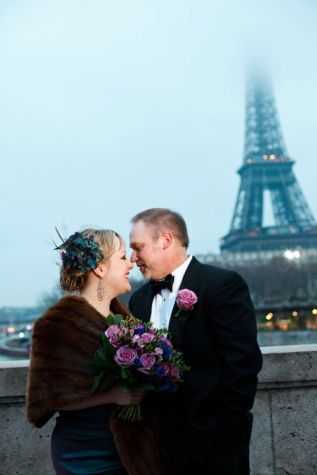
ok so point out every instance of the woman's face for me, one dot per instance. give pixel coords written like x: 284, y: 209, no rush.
x: 118, y: 269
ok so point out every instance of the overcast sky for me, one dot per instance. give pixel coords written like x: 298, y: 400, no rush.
x: 110, y: 107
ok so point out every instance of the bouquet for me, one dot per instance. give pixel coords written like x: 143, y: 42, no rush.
x: 136, y: 356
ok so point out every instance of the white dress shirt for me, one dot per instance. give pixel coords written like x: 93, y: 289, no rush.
x: 164, y: 301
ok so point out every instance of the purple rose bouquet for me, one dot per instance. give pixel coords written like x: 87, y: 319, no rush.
x: 136, y: 356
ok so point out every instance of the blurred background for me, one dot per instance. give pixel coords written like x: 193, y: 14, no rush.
x: 205, y: 107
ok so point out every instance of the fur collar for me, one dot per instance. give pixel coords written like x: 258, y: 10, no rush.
x: 64, y: 341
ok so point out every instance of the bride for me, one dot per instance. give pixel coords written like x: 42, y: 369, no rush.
x: 94, y: 267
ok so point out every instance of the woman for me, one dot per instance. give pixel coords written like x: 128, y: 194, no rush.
x: 65, y: 338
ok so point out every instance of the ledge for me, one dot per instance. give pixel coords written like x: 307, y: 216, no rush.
x: 288, y: 349
x: 12, y: 380
x: 283, y: 367
x: 289, y: 366
x: 284, y: 431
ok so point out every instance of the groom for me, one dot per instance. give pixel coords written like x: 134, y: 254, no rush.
x: 206, y: 425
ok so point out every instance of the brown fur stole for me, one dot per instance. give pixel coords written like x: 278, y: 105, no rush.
x: 138, y: 445
x: 64, y: 341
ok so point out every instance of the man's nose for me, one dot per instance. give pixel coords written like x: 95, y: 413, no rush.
x: 133, y: 257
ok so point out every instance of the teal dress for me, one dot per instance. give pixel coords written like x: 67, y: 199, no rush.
x: 82, y: 443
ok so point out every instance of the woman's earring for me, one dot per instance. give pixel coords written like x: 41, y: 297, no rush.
x: 100, y: 291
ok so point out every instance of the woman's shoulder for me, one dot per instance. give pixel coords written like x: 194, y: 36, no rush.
x: 68, y: 310
x: 70, y: 323
x: 62, y: 305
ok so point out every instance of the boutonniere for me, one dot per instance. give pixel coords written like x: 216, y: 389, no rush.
x: 185, y: 300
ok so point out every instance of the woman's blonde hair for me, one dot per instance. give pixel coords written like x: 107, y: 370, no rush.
x: 71, y: 278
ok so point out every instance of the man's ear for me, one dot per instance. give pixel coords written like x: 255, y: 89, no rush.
x: 167, y: 239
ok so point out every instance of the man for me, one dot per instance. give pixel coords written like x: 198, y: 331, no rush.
x: 206, y: 425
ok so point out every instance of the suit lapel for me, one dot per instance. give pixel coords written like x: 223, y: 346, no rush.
x: 190, y: 281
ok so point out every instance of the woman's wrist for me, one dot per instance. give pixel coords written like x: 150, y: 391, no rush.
x: 106, y: 397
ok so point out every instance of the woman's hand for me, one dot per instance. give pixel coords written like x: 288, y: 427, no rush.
x: 125, y: 397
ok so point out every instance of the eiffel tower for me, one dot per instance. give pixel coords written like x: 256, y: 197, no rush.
x: 267, y: 168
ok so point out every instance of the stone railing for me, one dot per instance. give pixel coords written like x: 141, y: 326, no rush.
x: 284, y: 439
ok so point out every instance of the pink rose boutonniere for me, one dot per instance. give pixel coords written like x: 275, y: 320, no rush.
x: 185, y: 300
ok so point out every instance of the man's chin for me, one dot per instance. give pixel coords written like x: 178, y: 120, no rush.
x: 145, y: 272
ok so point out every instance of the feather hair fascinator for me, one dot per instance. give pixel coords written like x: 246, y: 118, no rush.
x: 79, y: 252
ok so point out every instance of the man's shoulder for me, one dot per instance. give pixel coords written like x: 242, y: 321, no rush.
x: 217, y: 275
x: 210, y: 269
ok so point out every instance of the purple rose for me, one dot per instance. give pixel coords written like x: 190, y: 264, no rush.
x: 186, y: 299
x: 158, y: 351
x: 135, y: 338
x: 125, y: 356
x: 147, y: 360
x: 145, y: 338
x: 113, y: 334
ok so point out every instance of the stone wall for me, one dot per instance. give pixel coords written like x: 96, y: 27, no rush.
x: 284, y: 439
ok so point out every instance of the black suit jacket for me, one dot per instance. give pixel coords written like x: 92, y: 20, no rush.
x: 211, y: 411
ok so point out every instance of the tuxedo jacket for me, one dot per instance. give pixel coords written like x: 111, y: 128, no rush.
x: 219, y: 341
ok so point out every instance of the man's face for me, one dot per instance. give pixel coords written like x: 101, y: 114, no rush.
x: 147, y: 250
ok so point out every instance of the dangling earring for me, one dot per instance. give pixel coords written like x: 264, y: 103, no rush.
x: 100, y: 291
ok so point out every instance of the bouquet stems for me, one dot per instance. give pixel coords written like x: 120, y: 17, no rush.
x: 130, y: 413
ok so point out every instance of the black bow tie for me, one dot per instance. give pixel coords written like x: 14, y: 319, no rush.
x: 158, y: 285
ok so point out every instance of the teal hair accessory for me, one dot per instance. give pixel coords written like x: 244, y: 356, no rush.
x: 79, y: 253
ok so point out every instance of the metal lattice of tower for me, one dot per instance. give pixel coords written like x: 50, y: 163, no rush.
x: 267, y: 168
